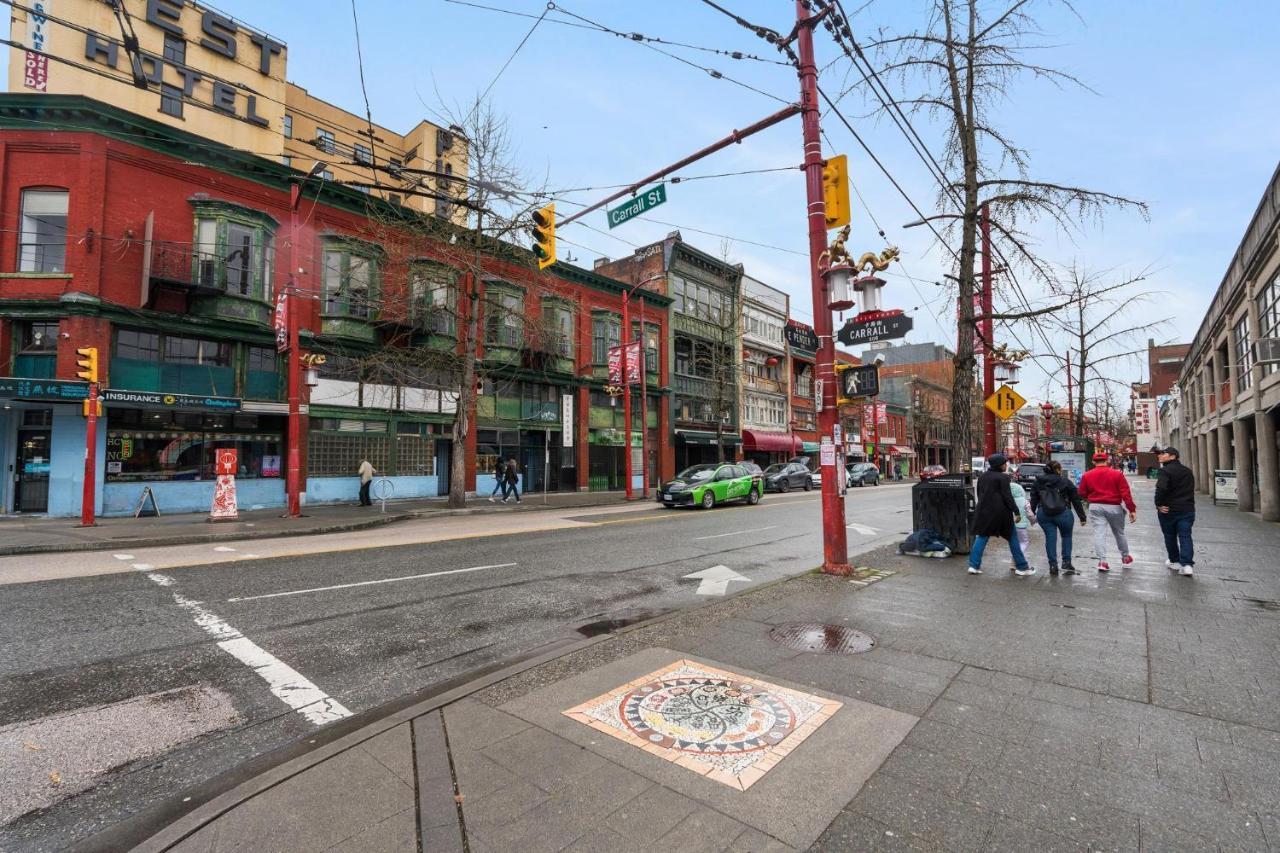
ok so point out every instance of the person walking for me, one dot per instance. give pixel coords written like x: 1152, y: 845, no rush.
x: 512, y: 486
x: 1053, y: 497
x: 499, y: 479
x: 1021, y: 527
x: 366, y: 479
x: 1176, y: 508
x: 995, y: 516
x: 1107, y: 491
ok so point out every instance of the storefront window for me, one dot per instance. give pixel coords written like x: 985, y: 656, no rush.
x: 162, y: 445
x: 335, y: 446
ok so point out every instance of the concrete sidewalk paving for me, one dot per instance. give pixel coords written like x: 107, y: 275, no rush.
x: 1137, y: 710
x: 20, y: 535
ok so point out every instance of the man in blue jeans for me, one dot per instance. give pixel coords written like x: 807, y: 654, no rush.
x: 1176, y: 507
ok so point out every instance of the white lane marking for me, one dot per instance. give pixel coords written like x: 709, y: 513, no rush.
x: 143, y: 567
x: 288, y: 685
x: 864, y: 530
x: 161, y: 579
x: 716, y: 580
x: 371, y: 583
x: 250, y: 557
x: 123, y: 557
x: 735, y: 533
x: 223, y: 548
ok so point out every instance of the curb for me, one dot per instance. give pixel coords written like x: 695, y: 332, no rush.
x: 223, y: 793
x: 243, y: 535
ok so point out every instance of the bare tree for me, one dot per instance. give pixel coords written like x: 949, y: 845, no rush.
x: 454, y: 304
x: 1098, y: 328
x: 959, y: 68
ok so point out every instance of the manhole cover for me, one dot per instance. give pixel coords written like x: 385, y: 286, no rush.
x: 823, y: 639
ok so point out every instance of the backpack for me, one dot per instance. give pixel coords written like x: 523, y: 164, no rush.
x: 1052, y: 501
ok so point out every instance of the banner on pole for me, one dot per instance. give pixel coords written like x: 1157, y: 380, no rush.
x: 224, y: 490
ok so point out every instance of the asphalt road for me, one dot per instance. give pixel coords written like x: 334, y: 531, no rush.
x: 295, y: 640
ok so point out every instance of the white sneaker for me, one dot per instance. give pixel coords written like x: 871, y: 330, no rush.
x: 492, y: 500
x: 1170, y: 564
x: 974, y: 571
x: 1186, y: 571
x: 1022, y: 573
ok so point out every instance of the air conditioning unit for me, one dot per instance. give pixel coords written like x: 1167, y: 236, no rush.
x: 1267, y: 351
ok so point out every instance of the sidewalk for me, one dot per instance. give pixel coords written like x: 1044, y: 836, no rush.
x: 19, y: 535
x: 1133, y: 711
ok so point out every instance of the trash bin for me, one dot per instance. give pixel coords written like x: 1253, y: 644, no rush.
x: 946, y: 504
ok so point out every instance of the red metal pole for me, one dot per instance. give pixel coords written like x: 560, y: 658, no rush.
x: 835, y: 545
x: 988, y: 325
x: 89, y: 497
x: 875, y: 432
x: 644, y: 407
x: 294, y: 470
x: 626, y: 384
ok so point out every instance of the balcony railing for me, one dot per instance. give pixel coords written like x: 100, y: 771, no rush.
x: 178, y: 263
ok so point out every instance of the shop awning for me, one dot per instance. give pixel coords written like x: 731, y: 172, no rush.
x: 693, y: 436
x: 899, y: 450
x: 770, y: 442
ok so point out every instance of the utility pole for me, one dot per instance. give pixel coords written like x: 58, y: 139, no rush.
x: 988, y: 341
x: 835, y: 546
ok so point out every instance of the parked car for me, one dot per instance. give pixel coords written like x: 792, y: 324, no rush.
x: 708, y: 485
x: 815, y: 478
x: 1027, y: 473
x: 785, y: 476
x: 862, y: 474
x: 755, y: 471
x: 931, y: 471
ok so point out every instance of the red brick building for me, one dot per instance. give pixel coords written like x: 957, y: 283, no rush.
x: 165, y: 252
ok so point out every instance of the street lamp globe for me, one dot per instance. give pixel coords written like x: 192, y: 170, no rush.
x: 839, y: 294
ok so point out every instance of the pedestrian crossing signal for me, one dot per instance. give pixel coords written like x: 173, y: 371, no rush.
x: 87, y: 361
x: 84, y: 407
x: 544, y: 235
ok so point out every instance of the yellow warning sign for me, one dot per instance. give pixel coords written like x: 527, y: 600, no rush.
x: 1005, y: 402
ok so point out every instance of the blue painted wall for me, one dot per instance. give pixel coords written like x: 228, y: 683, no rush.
x: 179, y: 496
x: 323, y: 490
x: 66, y: 458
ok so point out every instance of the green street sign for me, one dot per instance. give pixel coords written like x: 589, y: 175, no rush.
x: 648, y: 199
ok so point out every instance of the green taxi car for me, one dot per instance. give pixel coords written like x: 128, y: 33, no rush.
x: 708, y: 485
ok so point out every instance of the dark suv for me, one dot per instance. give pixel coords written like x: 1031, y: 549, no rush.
x: 1028, y: 471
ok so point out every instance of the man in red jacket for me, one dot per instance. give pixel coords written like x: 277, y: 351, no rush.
x: 1107, y: 491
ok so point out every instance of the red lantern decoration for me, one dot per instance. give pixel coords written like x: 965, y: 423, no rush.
x: 772, y: 361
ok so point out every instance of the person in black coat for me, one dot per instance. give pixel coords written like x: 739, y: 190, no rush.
x: 1176, y: 505
x: 995, y: 516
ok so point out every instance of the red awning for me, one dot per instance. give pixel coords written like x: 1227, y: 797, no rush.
x: 771, y: 442
x: 899, y: 450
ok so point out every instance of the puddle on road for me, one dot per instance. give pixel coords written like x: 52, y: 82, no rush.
x: 618, y: 622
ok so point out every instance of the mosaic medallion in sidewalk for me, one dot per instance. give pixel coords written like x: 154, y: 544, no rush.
x: 723, y: 726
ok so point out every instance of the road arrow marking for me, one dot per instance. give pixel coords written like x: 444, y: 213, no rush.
x: 864, y: 530
x: 715, y: 580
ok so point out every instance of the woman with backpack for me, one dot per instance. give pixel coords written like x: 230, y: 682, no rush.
x: 1053, y: 496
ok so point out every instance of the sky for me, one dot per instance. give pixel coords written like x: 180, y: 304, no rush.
x: 1180, y: 113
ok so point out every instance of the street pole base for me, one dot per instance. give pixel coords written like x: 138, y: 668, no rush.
x: 838, y: 569
x: 87, y: 524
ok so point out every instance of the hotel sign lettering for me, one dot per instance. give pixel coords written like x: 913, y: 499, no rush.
x: 218, y: 34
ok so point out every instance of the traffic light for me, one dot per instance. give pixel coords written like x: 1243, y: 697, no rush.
x: 87, y: 361
x: 856, y: 381
x: 544, y: 235
x: 84, y: 407
x: 843, y: 396
x: 835, y: 190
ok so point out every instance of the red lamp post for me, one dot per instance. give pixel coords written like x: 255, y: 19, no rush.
x: 626, y: 389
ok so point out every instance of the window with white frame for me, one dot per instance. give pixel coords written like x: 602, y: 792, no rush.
x: 1268, y: 302
x: 42, y: 246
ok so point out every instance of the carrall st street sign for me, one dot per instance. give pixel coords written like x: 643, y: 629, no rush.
x: 881, y: 329
x: 647, y: 200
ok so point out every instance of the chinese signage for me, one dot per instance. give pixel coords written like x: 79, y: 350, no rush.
x: 633, y: 363
x: 801, y: 336
x: 35, y: 65
x: 566, y: 420
x: 647, y: 200
x: 1146, y: 424
x: 881, y: 329
x: 43, y: 389
x: 280, y: 322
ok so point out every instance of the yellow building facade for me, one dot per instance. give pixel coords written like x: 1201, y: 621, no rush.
x: 209, y: 74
